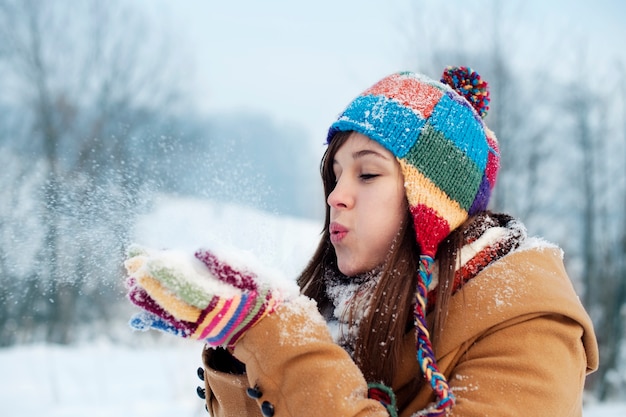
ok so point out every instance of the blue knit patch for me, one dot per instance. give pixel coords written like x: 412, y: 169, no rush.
x: 229, y: 326
x: 458, y: 123
x: 388, y: 122
x: 144, y: 321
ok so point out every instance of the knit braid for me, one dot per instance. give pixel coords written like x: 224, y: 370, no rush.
x: 425, y: 354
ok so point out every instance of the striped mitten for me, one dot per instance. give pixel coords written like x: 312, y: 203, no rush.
x: 198, y: 297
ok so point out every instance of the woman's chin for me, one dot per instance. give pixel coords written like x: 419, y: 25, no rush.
x: 351, y: 270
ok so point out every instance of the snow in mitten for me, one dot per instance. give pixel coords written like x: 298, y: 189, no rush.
x: 200, y: 297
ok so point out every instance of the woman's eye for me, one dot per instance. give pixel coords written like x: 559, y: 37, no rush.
x: 366, y: 177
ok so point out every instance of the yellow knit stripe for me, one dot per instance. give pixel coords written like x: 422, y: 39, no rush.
x: 133, y: 264
x: 164, y: 298
x: 221, y: 312
x: 421, y: 190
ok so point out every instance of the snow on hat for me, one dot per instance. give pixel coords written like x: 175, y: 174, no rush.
x: 449, y: 159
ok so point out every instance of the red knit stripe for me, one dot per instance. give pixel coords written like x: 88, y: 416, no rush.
x: 411, y: 92
x: 231, y: 325
x: 142, y: 299
x: 267, y: 306
x: 430, y: 228
x: 493, y: 162
x: 220, y: 316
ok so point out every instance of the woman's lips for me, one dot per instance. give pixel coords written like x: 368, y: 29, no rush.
x: 337, y: 232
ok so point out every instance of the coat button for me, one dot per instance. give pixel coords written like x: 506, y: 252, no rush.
x: 267, y: 409
x: 254, y: 393
x: 201, y: 373
x: 201, y: 392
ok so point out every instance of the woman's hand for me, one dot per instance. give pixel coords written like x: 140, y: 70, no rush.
x: 198, y: 296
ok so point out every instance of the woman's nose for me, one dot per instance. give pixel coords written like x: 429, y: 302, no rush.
x: 341, y: 197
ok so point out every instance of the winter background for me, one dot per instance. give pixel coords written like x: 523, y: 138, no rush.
x: 190, y: 123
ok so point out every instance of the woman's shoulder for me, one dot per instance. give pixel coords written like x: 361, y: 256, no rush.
x: 498, y: 254
x: 530, y: 281
x: 531, y: 277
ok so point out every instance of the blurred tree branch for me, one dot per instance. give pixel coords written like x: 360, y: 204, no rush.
x: 90, y: 81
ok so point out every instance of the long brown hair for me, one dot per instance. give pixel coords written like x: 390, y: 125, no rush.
x: 381, y: 331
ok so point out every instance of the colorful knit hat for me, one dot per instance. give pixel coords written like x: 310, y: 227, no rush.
x: 449, y: 160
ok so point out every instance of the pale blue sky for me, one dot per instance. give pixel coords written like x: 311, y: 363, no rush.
x: 301, y: 62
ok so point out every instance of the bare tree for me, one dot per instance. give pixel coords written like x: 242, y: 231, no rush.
x: 611, y: 290
x: 90, y: 80
x: 581, y: 105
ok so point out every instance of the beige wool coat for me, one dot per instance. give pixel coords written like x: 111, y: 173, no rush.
x: 517, y: 342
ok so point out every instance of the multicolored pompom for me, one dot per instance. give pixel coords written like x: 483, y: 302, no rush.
x: 468, y: 83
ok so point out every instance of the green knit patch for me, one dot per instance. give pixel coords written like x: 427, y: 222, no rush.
x: 448, y: 167
x: 177, y: 284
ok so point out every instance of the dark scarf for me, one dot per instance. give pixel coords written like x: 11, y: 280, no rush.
x: 351, y: 299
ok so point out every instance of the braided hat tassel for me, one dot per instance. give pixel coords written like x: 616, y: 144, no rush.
x: 425, y: 354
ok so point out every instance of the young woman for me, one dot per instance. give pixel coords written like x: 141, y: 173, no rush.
x: 425, y: 303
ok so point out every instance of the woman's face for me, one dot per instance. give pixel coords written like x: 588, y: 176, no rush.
x: 367, y: 205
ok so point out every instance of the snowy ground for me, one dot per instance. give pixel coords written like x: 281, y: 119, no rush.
x: 159, y: 378
x: 116, y: 381
x: 100, y: 381
x: 156, y: 377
